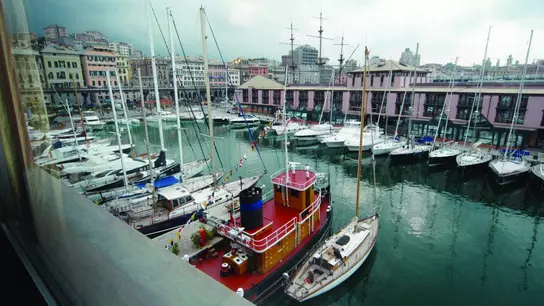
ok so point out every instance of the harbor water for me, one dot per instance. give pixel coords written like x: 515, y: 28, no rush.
x: 444, y: 239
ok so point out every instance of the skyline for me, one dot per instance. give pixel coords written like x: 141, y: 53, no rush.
x: 262, y: 26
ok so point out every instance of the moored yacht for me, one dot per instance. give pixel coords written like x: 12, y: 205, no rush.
x: 240, y: 121
x: 511, y: 167
x: 92, y: 121
x: 475, y: 157
x: 445, y: 154
x: 313, y: 134
x: 350, y: 129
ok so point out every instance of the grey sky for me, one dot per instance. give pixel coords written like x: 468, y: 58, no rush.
x: 255, y: 28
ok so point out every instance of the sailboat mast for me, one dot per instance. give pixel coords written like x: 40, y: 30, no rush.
x: 285, y: 133
x: 73, y: 127
x: 117, y: 130
x: 412, y: 99
x: 518, y: 99
x: 127, y: 124
x: 79, y: 108
x: 176, y: 98
x: 155, y: 82
x: 363, y: 110
x: 207, y: 83
x: 145, y: 127
x: 449, y: 103
x: 479, y: 92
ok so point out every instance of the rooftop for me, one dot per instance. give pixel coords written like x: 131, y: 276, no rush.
x: 389, y: 65
x: 260, y: 82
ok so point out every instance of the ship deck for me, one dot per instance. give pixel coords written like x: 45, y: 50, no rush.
x: 278, y: 215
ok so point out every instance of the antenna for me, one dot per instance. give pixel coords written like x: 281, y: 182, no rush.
x: 293, y: 66
x: 341, y: 59
x: 320, y: 58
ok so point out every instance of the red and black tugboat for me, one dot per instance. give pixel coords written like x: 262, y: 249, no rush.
x: 264, y: 239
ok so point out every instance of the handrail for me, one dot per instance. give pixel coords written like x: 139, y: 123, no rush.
x: 283, y: 180
x: 264, y: 243
x: 309, y: 210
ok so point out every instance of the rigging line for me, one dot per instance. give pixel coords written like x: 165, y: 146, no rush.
x: 253, y: 142
x: 160, y: 29
x: 195, y: 88
x: 196, y: 132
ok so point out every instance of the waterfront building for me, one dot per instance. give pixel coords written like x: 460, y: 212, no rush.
x: 61, y: 66
x: 30, y: 77
x: 163, y: 68
x: 255, y: 70
x: 95, y: 63
x: 493, y: 117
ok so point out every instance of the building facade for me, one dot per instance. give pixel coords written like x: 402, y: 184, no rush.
x: 54, y: 31
x: 62, y: 66
x: 255, y: 70
x: 95, y: 63
x: 122, y: 48
x: 493, y: 116
x: 124, y: 70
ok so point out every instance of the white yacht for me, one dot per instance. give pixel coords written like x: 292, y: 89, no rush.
x: 387, y: 146
x: 511, y: 167
x: 475, y: 157
x: 372, y: 135
x: 241, y: 122
x: 445, y: 154
x: 314, y: 134
x: 337, y: 141
x: 92, y: 121
x: 288, y: 128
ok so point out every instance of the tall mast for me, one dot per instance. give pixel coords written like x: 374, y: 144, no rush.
x: 79, y: 108
x: 385, y: 96
x: 341, y: 58
x: 285, y: 133
x: 127, y: 124
x: 146, y: 133
x: 226, y: 86
x: 449, y: 102
x: 478, y: 94
x: 176, y: 98
x: 155, y: 82
x: 117, y: 130
x: 412, y: 100
x: 518, y: 99
x: 207, y: 83
x: 292, y: 66
x: 363, y: 110
x: 320, y: 31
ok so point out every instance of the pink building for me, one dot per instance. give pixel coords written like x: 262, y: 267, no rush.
x: 494, y: 114
x: 258, y: 70
x: 95, y: 64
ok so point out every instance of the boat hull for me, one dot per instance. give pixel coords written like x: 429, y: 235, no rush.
x: 335, y: 144
x: 307, y: 141
x: 510, y: 179
x: 243, y: 124
x: 408, y: 158
x: 442, y: 160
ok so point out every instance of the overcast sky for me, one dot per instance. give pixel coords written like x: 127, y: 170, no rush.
x: 256, y: 28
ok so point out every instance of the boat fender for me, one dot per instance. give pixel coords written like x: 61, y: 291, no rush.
x: 240, y: 292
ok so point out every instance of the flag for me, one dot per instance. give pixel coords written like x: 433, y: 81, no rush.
x: 193, y: 217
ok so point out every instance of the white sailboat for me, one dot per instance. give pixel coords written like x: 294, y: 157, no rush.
x: 372, y: 135
x: 410, y: 151
x: 447, y: 151
x: 340, y: 255
x: 475, y: 157
x: 512, y: 167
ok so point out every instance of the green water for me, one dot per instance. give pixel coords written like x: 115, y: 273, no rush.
x: 443, y: 240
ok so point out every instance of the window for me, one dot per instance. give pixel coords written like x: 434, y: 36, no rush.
x: 74, y: 65
x: 294, y: 193
x: 68, y: 64
x: 392, y: 80
x: 56, y: 64
x: 99, y: 83
x: 376, y: 101
x: 94, y: 84
x: 49, y: 64
x: 407, y: 98
x: 371, y: 81
x: 463, y: 113
x: 381, y: 81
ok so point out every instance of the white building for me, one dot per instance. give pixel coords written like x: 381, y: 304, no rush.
x: 122, y: 48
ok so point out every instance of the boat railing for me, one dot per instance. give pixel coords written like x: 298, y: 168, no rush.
x: 306, y: 213
x: 278, y: 178
x: 263, y: 244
